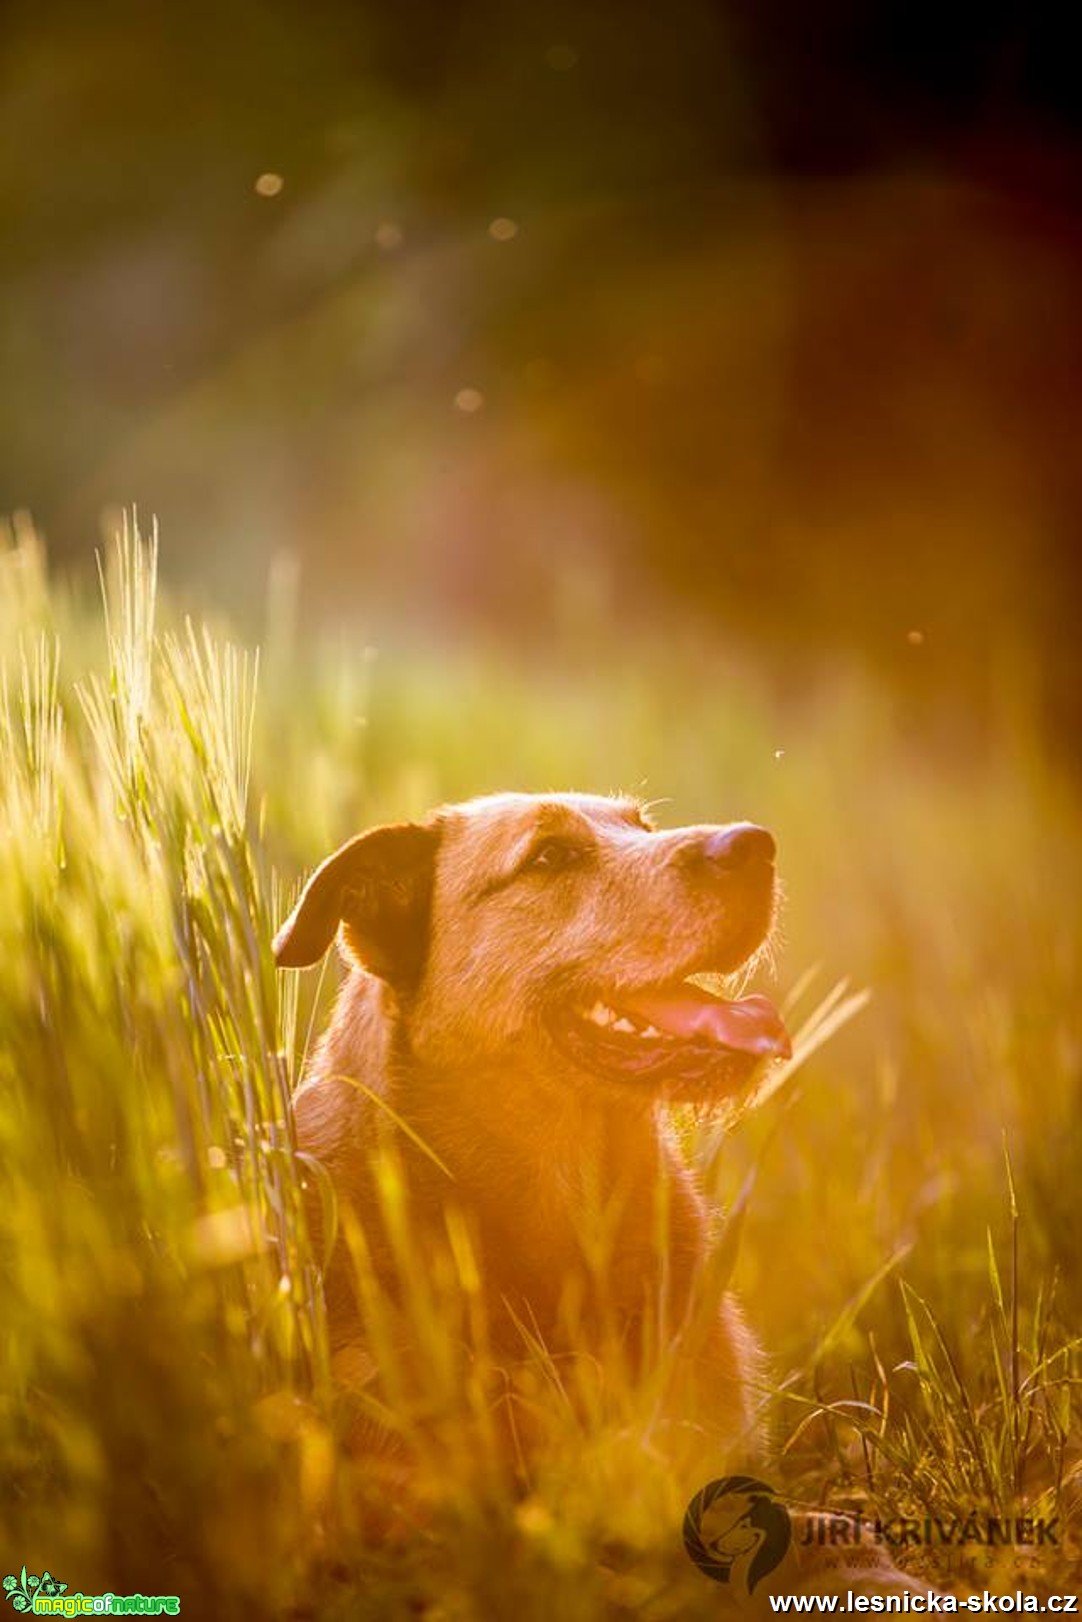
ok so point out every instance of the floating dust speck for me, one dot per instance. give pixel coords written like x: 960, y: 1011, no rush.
x: 503, y: 229
x: 779, y: 754
x: 469, y: 401
x: 269, y: 184
x: 915, y: 638
x: 389, y: 236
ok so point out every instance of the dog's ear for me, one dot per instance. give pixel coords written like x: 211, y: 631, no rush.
x: 379, y: 888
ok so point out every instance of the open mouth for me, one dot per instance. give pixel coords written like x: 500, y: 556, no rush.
x: 673, y: 1034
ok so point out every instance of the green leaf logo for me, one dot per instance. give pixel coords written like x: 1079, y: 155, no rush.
x: 20, y: 1590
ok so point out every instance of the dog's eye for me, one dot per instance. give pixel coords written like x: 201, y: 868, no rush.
x: 553, y: 856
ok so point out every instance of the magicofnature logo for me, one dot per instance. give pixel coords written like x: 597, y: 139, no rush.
x: 44, y: 1596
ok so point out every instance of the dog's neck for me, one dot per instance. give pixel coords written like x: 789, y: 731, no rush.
x: 577, y: 1120
x: 552, y: 1190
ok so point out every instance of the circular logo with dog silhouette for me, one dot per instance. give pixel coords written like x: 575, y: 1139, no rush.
x: 737, y: 1531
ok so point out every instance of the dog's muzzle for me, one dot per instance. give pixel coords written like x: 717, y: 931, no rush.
x: 675, y: 1033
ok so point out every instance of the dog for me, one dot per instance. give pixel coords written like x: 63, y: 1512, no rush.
x: 519, y: 995
x: 522, y: 1003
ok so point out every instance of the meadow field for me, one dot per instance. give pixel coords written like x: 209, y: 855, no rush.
x: 904, y: 1215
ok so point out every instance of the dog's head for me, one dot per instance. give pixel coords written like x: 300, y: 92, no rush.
x: 557, y: 932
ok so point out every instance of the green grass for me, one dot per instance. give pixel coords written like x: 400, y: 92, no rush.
x: 166, y: 1419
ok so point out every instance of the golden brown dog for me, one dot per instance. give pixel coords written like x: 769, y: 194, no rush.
x: 519, y: 1001
x: 522, y: 1002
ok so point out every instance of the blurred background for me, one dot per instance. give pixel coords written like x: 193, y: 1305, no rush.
x: 510, y: 320
x: 679, y: 398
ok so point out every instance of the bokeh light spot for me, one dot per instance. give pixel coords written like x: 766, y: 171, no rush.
x: 269, y: 184
x: 469, y: 401
x: 503, y: 229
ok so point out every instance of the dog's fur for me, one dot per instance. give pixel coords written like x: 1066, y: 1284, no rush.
x: 472, y: 939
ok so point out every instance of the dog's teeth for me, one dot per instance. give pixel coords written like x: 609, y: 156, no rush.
x: 600, y: 1015
x: 651, y: 1030
x: 624, y: 1025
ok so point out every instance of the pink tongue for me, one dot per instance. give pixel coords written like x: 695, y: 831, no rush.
x: 751, y: 1025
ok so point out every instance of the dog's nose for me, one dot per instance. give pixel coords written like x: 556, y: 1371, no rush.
x: 739, y: 844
